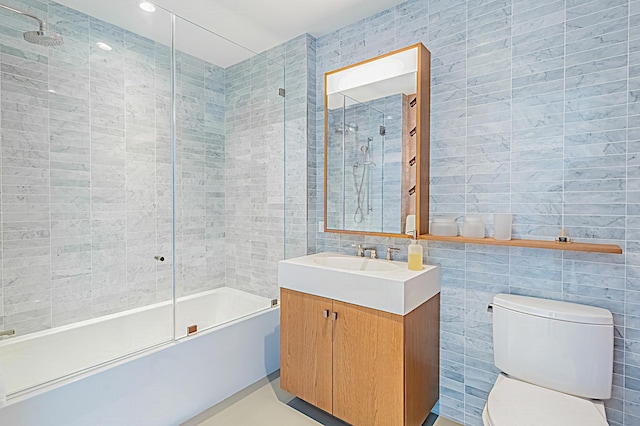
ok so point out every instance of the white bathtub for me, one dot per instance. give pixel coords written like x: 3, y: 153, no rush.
x: 247, y: 347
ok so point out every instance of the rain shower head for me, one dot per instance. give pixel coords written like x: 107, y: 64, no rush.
x: 347, y: 128
x: 41, y: 36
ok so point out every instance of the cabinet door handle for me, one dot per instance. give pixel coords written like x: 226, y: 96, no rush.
x: 334, y: 316
x: 325, y: 313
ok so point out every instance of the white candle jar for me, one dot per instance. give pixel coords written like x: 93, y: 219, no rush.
x: 473, y: 227
x: 444, y: 226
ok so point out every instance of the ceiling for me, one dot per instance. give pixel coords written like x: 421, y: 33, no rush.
x: 255, y: 24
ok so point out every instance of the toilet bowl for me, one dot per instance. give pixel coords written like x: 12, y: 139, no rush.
x: 556, y: 360
x: 516, y: 403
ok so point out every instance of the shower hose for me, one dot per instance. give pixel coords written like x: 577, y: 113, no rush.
x: 358, y: 216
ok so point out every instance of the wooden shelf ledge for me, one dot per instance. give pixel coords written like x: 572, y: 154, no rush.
x: 541, y: 244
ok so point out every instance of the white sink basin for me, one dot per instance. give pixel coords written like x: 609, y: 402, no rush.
x: 355, y: 263
x: 373, y: 283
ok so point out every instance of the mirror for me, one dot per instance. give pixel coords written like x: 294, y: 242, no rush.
x: 376, y: 146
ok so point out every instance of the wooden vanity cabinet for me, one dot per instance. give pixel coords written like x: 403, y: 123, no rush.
x: 364, y: 366
x: 306, y: 352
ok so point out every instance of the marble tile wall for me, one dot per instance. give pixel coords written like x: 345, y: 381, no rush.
x: 86, y: 171
x: 534, y: 112
x: 200, y: 178
x: 314, y: 181
x: 251, y: 175
x: 266, y: 197
x: 300, y: 179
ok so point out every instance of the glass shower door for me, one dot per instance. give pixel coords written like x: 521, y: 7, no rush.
x: 229, y: 178
x: 86, y: 193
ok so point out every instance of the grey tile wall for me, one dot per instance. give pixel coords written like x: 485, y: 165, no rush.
x: 533, y: 112
x: 314, y: 191
x: 300, y: 128
x: 26, y: 243
x: 200, y: 162
x: 628, y: 376
x: 86, y: 171
x: 266, y: 173
x: 254, y: 173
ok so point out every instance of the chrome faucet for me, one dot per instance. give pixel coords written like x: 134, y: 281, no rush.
x: 390, y: 251
x: 7, y: 333
x: 372, y: 251
x: 361, y: 251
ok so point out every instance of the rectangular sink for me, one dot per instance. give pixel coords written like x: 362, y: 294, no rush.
x: 373, y: 283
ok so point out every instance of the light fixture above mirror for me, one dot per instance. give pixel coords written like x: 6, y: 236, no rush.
x: 375, y: 79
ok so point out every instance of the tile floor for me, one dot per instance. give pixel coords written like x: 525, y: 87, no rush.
x: 265, y: 404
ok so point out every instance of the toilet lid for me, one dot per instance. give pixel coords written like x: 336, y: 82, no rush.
x: 513, y: 402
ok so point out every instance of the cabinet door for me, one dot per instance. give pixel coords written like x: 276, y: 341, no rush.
x: 368, y: 386
x: 305, y: 347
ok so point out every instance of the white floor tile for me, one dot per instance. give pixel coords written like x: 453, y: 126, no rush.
x: 265, y: 404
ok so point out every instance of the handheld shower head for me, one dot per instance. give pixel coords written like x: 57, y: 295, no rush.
x: 366, y: 155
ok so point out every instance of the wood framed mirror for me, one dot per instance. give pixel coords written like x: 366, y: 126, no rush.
x: 376, y: 145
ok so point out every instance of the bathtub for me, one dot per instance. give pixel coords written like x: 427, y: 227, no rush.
x: 237, y: 341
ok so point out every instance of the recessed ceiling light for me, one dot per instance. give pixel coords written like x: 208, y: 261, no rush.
x: 103, y: 46
x: 147, y: 7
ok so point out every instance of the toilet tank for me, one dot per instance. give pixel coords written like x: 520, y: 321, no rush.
x: 558, y: 345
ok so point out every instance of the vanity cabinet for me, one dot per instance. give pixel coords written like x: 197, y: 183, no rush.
x: 306, y: 352
x: 364, y: 366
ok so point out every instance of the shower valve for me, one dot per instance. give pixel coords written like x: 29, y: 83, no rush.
x: 160, y: 258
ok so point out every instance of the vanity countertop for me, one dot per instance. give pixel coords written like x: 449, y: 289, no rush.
x: 373, y: 283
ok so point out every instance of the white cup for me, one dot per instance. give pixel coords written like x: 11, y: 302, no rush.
x: 502, y: 226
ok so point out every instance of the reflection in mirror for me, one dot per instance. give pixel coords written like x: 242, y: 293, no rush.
x: 364, y: 146
x: 372, y: 141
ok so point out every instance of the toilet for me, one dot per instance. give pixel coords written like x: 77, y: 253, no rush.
x: 556, y: 363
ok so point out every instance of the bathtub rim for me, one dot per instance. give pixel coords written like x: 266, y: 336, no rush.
x: 104, y: 318
x: 25, y: 394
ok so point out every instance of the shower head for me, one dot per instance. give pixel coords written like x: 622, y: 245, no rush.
x: 41, y: 36
x: 44, y: 38
x: 347, y: 128
x: 366, y: 156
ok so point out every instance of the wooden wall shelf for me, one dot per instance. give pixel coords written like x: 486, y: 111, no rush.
x: 541, y: 244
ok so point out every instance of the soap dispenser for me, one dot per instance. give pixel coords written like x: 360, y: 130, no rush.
x: 415, y: 255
